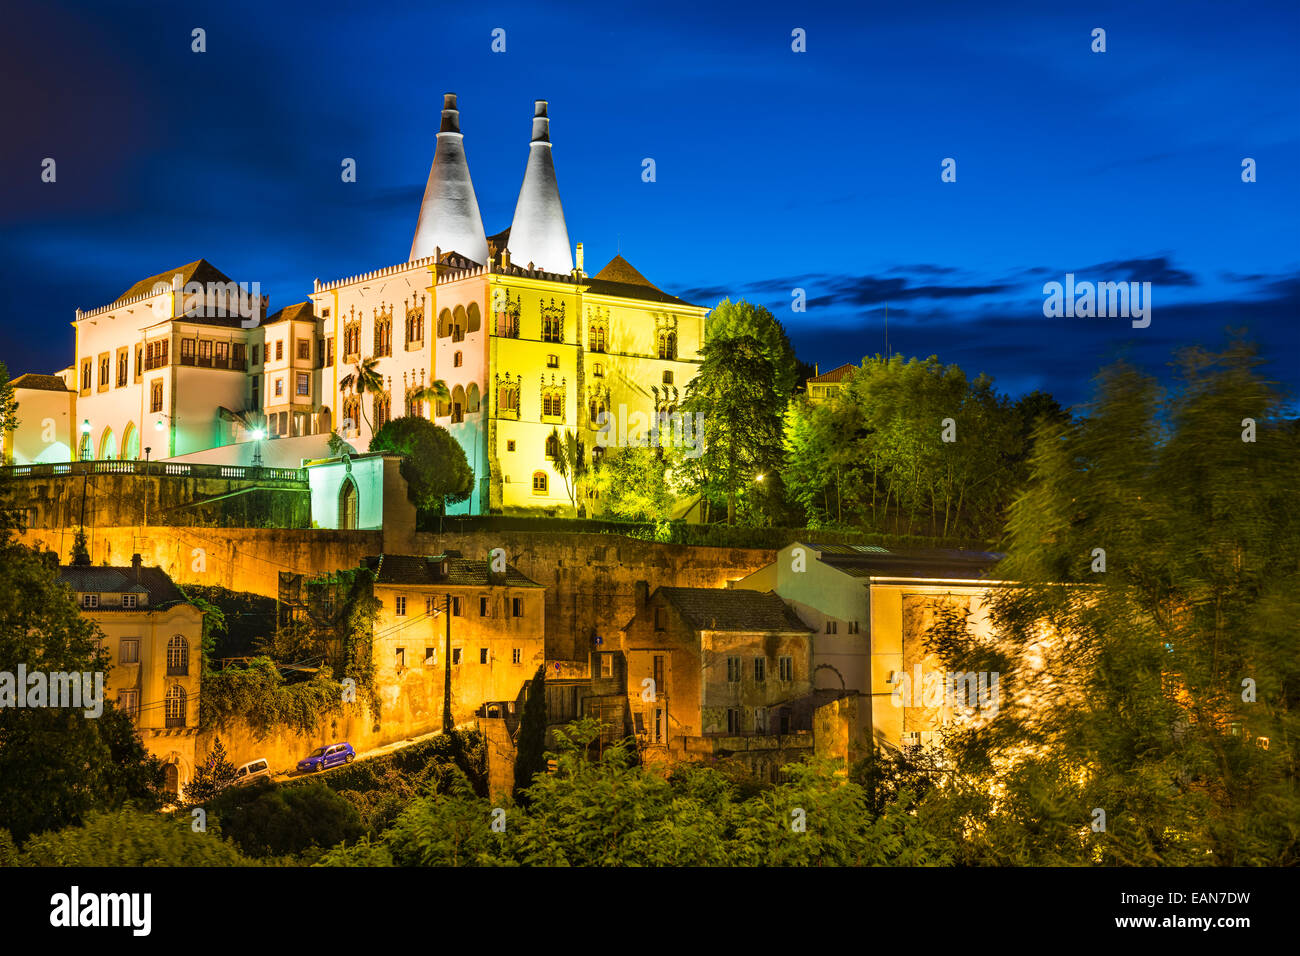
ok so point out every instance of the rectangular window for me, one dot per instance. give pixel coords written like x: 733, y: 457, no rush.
x: 482, y: 607
x: 400, y: 605
x: 668, y: 378
x: 329, y: 351
x: 606, y: 665
x: 853, y: 627
x: 552, y: 361
x: 155, y: 397
x: 121, y: 367
x: 830, y: 626
x: 130, y: 651
x: 399, y: 658
x: 482, y: 655
x: 129, y: 600
x: 139, y: 362
x: 205, y: 353
x: 733, y: 720
x: 257, y: 355
x: 760, y: 669
x: 129, y: 702
x: 223, y: 355
x: 279, y: 349
x: 510, y: 445
x: 661, y: 618
x: 516, y: 656
x: 660, y: 675
x: 785, y: 668
x: 455, y: 656
x: 659, y: 725
x: 517, y: 606
x: 304, y: 383
x: 238, y: 356
x: 304, y: 349
x: 279, y: 387
x: 760, y: 720
x: 85, y: 375
x: 187, y: 351
x: 90, y: 600
x: 733, y: 670
x: 455, y: 607
x: 430, y: 656
x: 429, y: 606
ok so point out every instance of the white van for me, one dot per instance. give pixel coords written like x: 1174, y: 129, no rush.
x: 251, y: 771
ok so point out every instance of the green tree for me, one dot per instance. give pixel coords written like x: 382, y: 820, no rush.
x: 530, y: 755
x: 433, y: 463
x: 736, y: 320
x: 130, y: 837
x: 436, y: 393
x: 737, y: 393
x: 8, y: 415
x: 57, y: 764
x: 635, y: 484
x: 1151, y: 636
x: 364, y: 377
x: 215, y: 774
x: 571, y: 461
x: 270, y: 820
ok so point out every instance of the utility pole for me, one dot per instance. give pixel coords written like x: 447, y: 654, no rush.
x: 447, y: 723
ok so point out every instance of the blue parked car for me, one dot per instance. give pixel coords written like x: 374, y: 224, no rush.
x: 322, y: 758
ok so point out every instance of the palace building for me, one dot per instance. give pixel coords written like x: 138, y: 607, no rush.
x: 527, y: 343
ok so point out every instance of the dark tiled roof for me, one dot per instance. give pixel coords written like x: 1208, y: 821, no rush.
x: 44, y: 383
x: 104, y: 579
x: 299, y: 310
x: 725, y: 609
x: 620, y: 279
x: 198, y: 271
x: 867, y: 561
x: 834, y: 375
x: 418, y: 569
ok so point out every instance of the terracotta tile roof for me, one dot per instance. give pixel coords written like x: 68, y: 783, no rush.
x: 620, y: 279
x: 419, y: 569
x: 299, y: 310
x: 725, y: 609
x: 43, y: 383
x: 834, y: 375
x: 104, y: 579
x: 867, y: 561
x: 198, y: 271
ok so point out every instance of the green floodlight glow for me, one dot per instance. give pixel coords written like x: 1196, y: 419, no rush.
x: 85, y: 426
x: 158, y: 425
x: 258, y: 434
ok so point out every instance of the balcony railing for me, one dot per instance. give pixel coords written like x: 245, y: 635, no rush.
x: 175, y: 722
x: 178, y: 670
x: 165, y: 469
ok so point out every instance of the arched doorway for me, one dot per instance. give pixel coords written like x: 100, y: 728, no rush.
x: 172, y: 779
x: 107, y: 445
x: 348, y: 505
x: 131, y: 442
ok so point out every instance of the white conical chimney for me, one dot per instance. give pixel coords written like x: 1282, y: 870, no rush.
x: 538, y: 234
x: 449, y: 216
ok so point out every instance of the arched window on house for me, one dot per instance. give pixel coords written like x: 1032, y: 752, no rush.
x: 348, y: 505
x: 383, y: 409
x: 472, y: 398
x: 508, y: 400
x: 107, y: 445
x: 552, y: 446
x: 175, y: 706
x: 178, y: 656
x: 457, y: 404
x: 131, y: 442
x: 539, y: 482
x: 668, y: 345
x: 83, y: 450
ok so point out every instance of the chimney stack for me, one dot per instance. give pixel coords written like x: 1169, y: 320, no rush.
x: 537, y: 233
x: 449, y: 215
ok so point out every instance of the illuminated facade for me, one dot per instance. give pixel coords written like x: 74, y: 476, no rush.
x: 526, y: 342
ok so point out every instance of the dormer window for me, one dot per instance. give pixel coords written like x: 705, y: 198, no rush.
x: 129, y: 600
x: 90, y: 600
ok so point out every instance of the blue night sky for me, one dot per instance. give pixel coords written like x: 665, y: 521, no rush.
x: 775, y: 169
